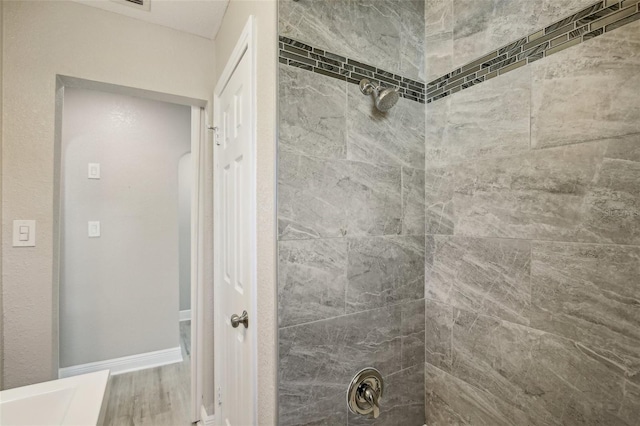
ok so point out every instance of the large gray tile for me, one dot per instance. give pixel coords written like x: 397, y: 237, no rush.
x: 487, y: 276
x: 585, y: 192
x: 312, y: 113
x: 438, y: 16
x: 439, y: 323
x: 630, y: 409
x: 375, y: 32
x: 551, y: 379
x: 412, y: 201
x: 402, y: 402
x: 450, y: 401
x: 308, y: 403
x: 317, y: 361
x: 312, y: 280
x: 590, y: 293
x: 487, y: 120
x: 412, y: 47
x: 374, y: 199
x: 589, y: 91
x: 438, y: 55
x: 384, y: 270
x: 612, y: 205
x: 413, y: 333
x: 393, y: 138
x: 324, y: 24
x: 332, y: 198
x: 439, y: 201
x: 481, y: 26
x: 365, y: 30
x: 312, y: 197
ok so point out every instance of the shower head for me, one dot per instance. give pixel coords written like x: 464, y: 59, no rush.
x: 385, y: 97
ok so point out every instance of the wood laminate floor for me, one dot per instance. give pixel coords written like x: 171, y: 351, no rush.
x: 156, y: 396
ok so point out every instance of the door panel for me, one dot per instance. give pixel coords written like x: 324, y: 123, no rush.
x: 233, y: 281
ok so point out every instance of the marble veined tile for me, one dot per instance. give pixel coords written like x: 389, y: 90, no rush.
x: 589, y: 91
x: 438, y: 201
x: 312, y: 198
x: 413, y: 333
x: 481, y: 26
x: 412, y: 201
x: 551, y: 379
x: 586, y: 192
x: 451, y: 401
x: 320, y: 198
x: 488, y: 276
x: 438, y: 16
x: 487, y: 120
x: 591, y: 294
x: 630, y: 409
x: 384, y: 270
x: 393, y: 138
x: 412, y: 47
x: 402, y: 402
x: 438, y: 55
x: 439, y: 323
x: 312, y: 113
x: 324, y: 24
x: 365, y: 30
x: 374, y: 199
x: 312, y: 280
x: 438, y: 38
x: 317, y: 361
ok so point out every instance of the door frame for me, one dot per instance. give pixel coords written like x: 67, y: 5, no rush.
x: 198, y: 157
x: 198, y: 202
x: 245, y: 46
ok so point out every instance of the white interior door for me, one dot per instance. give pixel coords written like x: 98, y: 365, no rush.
x: 234, y: 251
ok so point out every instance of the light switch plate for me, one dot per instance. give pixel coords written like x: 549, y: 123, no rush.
x: 24, y: 233
x: 94, y: 170
x: 94, y: 229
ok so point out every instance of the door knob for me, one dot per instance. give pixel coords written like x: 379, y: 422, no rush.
x: 242, y: 319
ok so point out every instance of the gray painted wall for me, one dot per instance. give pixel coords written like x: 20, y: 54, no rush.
x: 350, y: 218
x: 533, y: 225
x: 119, y: 292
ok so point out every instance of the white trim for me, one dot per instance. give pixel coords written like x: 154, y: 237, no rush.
x: 206, y: 419
x: 198, y: 145
x: 185, y: 315
x: 246, y: 45
x: 126, y: 364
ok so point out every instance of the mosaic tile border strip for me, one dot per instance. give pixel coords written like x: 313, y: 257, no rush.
x: 595, y: 20
x: 301, y: 55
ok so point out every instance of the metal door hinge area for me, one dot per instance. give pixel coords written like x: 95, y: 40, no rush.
x: 216, y: 135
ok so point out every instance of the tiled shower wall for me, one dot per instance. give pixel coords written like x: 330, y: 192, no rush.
x: 532, y: 224
x: 351, y: 217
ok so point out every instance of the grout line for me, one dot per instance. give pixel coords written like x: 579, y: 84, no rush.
x: 393, y: 305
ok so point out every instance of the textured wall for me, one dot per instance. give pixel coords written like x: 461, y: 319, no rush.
x: 42, y: 39
x: 533, y: 226
x: 119, y: 293
x: 350, y: 218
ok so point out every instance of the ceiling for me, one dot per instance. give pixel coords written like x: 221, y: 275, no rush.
x: 199, y: 17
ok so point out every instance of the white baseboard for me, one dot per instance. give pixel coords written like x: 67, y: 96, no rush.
x: 205, y: 419
x: 185, y: 315
x: 126, y: 364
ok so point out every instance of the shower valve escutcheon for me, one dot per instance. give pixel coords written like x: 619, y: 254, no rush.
x: 365, y: 392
